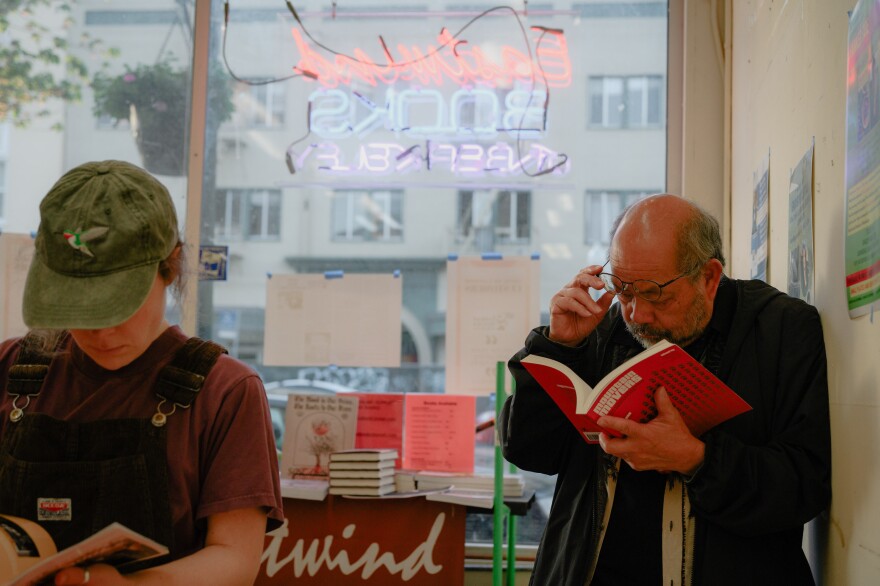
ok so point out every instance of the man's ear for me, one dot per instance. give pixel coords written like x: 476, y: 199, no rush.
x: 711, y: 275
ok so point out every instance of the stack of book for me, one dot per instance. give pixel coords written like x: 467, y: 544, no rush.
x: 362, y: 472
x: 513, y: 484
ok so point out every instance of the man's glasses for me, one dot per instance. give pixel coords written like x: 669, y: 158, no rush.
x: 644, y: 288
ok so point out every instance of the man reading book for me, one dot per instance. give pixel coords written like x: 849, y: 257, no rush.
x: 659, y: 505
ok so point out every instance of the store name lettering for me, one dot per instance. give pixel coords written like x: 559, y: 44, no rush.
x: 453, y: 59
x: 469, y: 159
x: 320, y: 553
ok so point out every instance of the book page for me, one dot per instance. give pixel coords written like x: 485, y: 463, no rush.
x: 380, y: 422
x: 439, y: 432
x: 491, y: 306
x: 116, y: 545
x: 314, y: 427
x: 344, y: 320
x: 16, y: 252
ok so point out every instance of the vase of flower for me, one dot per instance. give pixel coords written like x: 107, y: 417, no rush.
x: 155, y: 99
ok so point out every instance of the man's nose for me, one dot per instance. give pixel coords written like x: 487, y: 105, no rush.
x: 640, y: 311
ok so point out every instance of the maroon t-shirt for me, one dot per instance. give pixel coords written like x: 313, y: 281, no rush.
x: 221, y: 451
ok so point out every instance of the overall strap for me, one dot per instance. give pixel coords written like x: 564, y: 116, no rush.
x: 181, y: 380
x: 25, y: 376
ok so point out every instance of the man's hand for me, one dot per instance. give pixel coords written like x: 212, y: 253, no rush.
x: 664, y: 444
x: 574, y: 314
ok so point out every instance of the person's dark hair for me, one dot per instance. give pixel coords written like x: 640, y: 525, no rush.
x: 171, y: 270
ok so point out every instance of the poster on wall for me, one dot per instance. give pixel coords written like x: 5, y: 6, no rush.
x: 491, y: 305
x: 800, y: 229
x: 862, y: 217
x: 333, y: 319
x: 761, y: 222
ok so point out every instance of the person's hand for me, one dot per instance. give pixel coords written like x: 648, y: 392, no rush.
x: 574, y: 314
x: 94, y: 575
x: 664, y: 444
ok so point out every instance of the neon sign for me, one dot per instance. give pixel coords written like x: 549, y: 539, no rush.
x: 461, y: 63
x: 470, y: 113
x: 472, y: 159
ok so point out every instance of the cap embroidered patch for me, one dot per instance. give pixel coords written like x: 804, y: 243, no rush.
x: 77, y: 239
x: 54, y: 509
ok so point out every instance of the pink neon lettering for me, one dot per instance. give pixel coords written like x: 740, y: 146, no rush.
x: 434, y: 64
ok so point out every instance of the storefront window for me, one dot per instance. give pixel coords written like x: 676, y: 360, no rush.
x: 356, y: 136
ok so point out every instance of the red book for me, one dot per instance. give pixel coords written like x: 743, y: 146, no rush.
x: 628, y: 391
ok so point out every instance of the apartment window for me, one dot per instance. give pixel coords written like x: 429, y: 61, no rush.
x: 368, y: 216
x: 248, y: 214
x: 504, y: 217
x: 601, y: 208
x: 260, y: 105
x: 626, y: 102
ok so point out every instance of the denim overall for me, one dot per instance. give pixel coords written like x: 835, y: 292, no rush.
x: 74, y: 479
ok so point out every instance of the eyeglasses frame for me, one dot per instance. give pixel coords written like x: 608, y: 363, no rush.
x: 634, y: 291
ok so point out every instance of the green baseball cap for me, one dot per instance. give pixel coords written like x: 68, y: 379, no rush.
x: 104, y: 228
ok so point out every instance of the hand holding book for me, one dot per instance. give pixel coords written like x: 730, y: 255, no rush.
x: 628, y: 391
x: 665, y: 444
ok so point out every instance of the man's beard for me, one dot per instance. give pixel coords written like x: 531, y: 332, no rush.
x: 695, y: 321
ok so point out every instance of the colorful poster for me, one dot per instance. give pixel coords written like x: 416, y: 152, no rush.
x: 380, y: 422
x: 800, y: 229
x: 862, y: 218
x: 492, y: 304
x: 761, y: 222
x: 439, y: 432
x: 314, y: 427
x: 333, y: 319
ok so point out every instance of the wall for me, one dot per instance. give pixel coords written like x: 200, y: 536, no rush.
x: 789, y: 84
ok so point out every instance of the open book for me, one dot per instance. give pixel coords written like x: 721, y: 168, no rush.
x: 628, y: 391
x: 115, y: 544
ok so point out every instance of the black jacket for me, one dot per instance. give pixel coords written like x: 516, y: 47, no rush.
x: 766, y: 472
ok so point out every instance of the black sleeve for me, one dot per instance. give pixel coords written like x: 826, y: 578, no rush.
x: 534, y: 433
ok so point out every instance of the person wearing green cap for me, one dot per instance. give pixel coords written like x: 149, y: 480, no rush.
x: 110, y: 414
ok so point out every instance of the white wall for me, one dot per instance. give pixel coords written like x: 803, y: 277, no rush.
x: 789, y: 83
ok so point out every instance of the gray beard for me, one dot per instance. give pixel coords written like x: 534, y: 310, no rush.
x: 696, y: 319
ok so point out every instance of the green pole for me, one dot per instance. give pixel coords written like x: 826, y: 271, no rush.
x: 498, y: 508
x: 511, y: 521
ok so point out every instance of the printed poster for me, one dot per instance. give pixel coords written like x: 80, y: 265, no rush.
x: 16, y: 252
x: 862, y: 215
x: 439, y: 432
x: 491, y: 306
x: 761, y: 222
x: 380, y: 422
x: 315, y: 425
x: 800, y: 229
x: 333, y: 319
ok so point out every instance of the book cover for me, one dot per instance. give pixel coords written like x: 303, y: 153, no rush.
x: 367, y: 482
x: 375, y: 473
x: 116, y: 545
x: 311, y: 490
x: 474, y: 497
x: 355, y: 465
x: 363, y: 455
x: 628, y: 391
x: 314, y: 427
x: 362, y: 490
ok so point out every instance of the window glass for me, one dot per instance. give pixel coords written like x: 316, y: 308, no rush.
x: 393, y: 160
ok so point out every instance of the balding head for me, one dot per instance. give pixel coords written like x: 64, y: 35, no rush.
x: 667, y: 222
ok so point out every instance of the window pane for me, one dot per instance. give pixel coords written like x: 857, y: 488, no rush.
x: 361, y: 141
